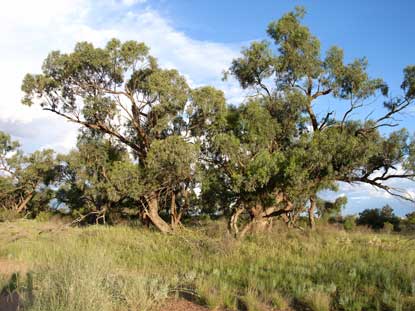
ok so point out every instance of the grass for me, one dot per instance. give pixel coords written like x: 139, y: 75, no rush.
x: 126, y: 268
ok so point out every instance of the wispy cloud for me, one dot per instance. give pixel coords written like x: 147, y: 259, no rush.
x: 31, y: 29
x: 361, y: 196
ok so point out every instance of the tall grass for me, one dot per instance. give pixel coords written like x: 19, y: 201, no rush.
x: 125, y: 268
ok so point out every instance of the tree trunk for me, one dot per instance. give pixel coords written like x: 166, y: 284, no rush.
x: 311, y: 211
x: 256, y: 225
x: 259, y: 221
x: 233, y: 221
x: 261, y: 217
x: 22, y: 206
x: 286, y: 219
x: 143, y: 216
x: 175, y: 216
x: 153, y: 214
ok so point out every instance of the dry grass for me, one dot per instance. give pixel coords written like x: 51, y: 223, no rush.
x: 124, y: 268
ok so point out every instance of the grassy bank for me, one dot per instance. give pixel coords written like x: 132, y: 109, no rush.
x: 124, y: 268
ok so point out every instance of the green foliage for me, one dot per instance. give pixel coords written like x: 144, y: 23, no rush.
x: 25, y: 178
x: 120, y: 93
x: 170, y: 161
x: 388, y: 227
x: 97, y: 179
x: 411, y: 218
x: 317, y: 153
x: 44, y: 216
x: 408, y: 84
x: 377, y: 218
x: 270, y: 155
x: 349, y: 223
x: 327, y: 209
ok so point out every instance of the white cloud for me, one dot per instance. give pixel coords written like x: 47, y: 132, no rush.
x: 31, y: 29
x: 362, y: 196
x: 132, y: 2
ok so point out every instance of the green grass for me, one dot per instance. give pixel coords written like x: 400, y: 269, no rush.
x: 125, y: 268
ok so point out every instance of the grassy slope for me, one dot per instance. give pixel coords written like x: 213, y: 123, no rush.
x: 122, y: 268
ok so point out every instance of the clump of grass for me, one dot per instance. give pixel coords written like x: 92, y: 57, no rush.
x: 126, y: 268
x: 217, y: 294
x: 9, y: 215
x: 278, y: 301
x: 317, y: 300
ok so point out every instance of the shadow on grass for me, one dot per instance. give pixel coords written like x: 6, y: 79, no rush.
x: 299, y: 305
x: 11, y: 298
x: 190, y: 295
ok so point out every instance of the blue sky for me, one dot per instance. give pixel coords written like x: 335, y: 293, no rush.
x: 382, y: 31
x: 199, y: 38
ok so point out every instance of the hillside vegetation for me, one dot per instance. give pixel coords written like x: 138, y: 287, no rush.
x: 54, y: 267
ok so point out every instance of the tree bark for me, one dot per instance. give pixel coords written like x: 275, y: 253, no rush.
x: 259, y: 221
x: 233, y: 221
x: 261, y: 217
x: 287, y: 220
x: 175, y: 216
x: 153, y: 214
x: 22, y: 206
x: 311, y: 211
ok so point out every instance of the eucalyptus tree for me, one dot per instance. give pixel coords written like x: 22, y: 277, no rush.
x: 322, y: 150
x: 8, y: 148
x: 246, y: 165
x: 25, y: 179
x: 86, y: 186
x: 121, y: 92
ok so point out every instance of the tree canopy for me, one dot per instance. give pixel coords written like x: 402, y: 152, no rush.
x: 152, y: 143
x: 120, y: 92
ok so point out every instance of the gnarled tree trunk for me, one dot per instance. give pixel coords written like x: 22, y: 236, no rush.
x: 153, y: 214
x: 261, y: 217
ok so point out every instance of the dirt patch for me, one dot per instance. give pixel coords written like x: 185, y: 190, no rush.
x: 181, y: 305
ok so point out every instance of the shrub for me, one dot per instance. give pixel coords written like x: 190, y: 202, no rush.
x: 387, y: 227
x: 349, y: 223
x: 376, y: 218
x: 44, y: 216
